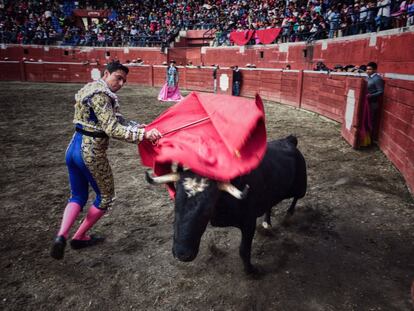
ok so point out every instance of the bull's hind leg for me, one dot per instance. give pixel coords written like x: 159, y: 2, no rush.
x: 291, y: 209
x: 247, y: 232
x: 290, y: 212
x: 267, y: 224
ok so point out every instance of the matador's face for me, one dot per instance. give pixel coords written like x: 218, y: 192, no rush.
x: 115, y: 80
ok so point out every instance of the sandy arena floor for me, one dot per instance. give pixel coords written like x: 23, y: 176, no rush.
x: 349, y: 246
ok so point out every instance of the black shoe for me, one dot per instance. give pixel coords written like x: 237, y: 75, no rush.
x: 78, y: 244
x: 58, y: 247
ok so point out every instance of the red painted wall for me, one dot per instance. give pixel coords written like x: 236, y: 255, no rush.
x: 396, y: 136
x: 324, y: 94
x: 142, y: 75
x: 10, y: 71
x: 354, y: 93
x: 392, y: 50
x: 275, y: 85
x: 160, y: 75
x: 198, y: 79
x: 289, y: 88
x: 184, y: 55
x: 150, y: 56
x: 270, y: 86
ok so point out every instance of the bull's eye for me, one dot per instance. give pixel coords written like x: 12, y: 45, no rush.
x: 192, y: 186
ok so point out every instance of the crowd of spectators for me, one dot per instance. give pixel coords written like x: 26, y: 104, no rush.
x: 317, y: 19
x: 320, y: 66
x: 158, y: 22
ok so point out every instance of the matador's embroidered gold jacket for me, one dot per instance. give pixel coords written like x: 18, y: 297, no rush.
x: 97, y: 110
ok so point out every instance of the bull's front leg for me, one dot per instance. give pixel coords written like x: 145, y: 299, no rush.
x: 247, y: 232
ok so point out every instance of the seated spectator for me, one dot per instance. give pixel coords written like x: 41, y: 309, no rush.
x: 400, y: 16
x: 362, y: 68
x: 338, y: 68
x: 157, y: 23
x: 410, y: 13
x: 383, y: 15
x: 349, y: 68
x: 320, y: 66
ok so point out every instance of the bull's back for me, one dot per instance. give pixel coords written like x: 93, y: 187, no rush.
x: 280, y: 175
x: 288, y: 165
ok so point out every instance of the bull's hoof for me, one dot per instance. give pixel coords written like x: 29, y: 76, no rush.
x: 184, y: 257
x: 265, y: 232
x: 287, y: 221
x: 266, y: 225
x: 254, y: 272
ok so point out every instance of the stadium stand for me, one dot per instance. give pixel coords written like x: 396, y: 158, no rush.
x: 158, y: 23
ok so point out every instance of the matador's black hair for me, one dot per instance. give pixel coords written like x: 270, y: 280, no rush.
x: 116, y: 65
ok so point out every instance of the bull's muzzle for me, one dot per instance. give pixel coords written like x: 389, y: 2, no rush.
x: 185, y: 256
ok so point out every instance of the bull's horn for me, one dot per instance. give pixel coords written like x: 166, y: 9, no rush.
x: 172, y: 177
x: 229, y: 188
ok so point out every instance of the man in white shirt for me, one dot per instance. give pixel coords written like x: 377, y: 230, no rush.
x: 384, y: 13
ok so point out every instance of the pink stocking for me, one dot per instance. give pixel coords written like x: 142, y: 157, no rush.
x: 72, y: 211
x: 94, y: 214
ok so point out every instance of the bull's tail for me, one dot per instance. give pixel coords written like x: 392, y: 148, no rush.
x: 293, y: 140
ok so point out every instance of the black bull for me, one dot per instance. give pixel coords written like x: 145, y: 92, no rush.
x: 280, y: 175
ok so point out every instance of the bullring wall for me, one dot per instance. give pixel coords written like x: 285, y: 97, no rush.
x: 337, y: 96
x: 391, y: 49
x: 98, y: 55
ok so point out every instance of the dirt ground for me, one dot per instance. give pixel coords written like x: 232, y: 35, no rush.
x: 348, y: 247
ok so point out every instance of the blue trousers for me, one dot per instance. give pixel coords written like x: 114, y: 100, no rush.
x: 236, y: 88
x: 80, y: 176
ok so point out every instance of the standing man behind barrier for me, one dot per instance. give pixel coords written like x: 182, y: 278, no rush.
x: 216, y: 67
x: 375, y: 85
x: 97, y: 118
x: 237, y: 80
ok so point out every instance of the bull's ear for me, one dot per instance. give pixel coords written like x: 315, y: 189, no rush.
x: 229, y: 188
x: 172, y: 177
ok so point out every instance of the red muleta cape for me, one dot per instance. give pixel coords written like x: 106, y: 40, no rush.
x: 216, y: 136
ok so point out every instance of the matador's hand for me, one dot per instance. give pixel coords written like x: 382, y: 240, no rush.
x: 152, y: 135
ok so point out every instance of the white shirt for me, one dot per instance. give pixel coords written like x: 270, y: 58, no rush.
x: 385, y: 11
